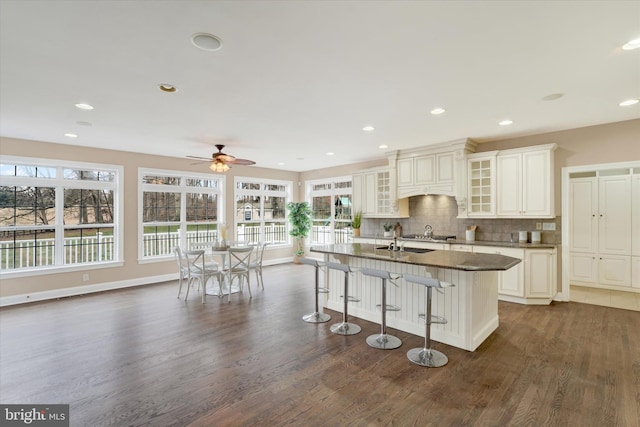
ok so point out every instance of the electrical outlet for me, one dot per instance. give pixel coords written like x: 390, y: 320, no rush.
x: 549, y: 226
x: 538, y: 226
x: 85, y: 277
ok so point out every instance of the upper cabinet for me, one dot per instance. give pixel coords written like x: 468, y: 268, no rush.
x: 374, y: 194
x: 481, y: 170
x: 524, y: 182
x: 437, y: 169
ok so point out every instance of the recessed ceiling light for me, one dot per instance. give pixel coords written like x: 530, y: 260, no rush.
x: 280, y: 163
x: 368, y: 128
x: 437, y: 111
x: 330, y: 153
x: 383, y: 146
x: 206, y: 41
x: 506, y: 122
x: 553, y: 97
x: 629, y: 102
x: 70, y: 135
x: 167, y: 88
x: 84, y: 106
x: 633, y: 44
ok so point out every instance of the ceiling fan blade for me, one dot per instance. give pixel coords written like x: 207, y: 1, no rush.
x: 242, y: 162
x: 200, y: 158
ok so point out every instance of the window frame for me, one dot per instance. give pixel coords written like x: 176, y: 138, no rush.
x: 183, y: 190
x: 287, y: 193
x: 60, y: 184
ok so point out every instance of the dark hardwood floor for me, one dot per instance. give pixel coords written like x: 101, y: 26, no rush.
x: 140, y: 356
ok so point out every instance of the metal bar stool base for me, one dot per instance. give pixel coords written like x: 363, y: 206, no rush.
x: 384, y: 342
x: 345, y: 328
x: 429, y: 358
x: 316, y: 317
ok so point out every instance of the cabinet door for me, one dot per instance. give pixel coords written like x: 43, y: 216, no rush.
x: 425, y: 171
x: 539, y: 274
x: 405, y: 171
x: 383, y: 193
x: 635, y: 213
x: 509, y: 185
x: 635, y: 272
x: 445, y: 168
x: 357, y: 185
x: 583, y: 267
x: 583, y: 214
x: 481, y: 186
x: 615, y: 270
x: 511, y: 281
x: 536, y: 184
x: 614, y: 200
x: 369, y: 194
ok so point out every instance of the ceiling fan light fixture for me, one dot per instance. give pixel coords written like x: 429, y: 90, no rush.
x: 219, y: 167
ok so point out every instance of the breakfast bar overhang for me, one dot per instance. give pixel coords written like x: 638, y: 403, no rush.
x: 471, y: 307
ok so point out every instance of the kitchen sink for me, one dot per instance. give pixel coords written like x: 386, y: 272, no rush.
x: 412, y: 250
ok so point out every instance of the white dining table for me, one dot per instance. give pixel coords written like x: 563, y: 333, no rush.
x: 214, y: 252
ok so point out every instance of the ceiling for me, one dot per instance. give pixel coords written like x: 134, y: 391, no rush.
x: 295, y: 80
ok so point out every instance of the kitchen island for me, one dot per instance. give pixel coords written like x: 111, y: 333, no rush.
x: 471, y: 307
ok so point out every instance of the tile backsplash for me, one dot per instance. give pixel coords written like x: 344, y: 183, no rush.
x: 441, y: 211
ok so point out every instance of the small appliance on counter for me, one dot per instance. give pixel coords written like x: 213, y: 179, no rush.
x: 470, y: 233
x: 535, y: 237
x: 523, y: 237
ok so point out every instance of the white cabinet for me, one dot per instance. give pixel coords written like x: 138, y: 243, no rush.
x: 583, y: 211
x: 635, y: 212
x: 540, y: 274
x: 374, y: 195
x: 524, y: 186
x: 614, y: 210
x: 460, y: 248
x: 635, y: 272
x: 614, y: 270
x: 511, y: 281
x: 481, y: 172
x: 583, y: 267
x: 601, y: 228
x: 426, y: 174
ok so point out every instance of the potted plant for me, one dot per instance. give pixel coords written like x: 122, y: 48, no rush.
x: 356, y: 222
x: 300, y: 218
x: 387, y: 229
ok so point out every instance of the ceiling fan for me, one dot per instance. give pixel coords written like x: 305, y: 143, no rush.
x: 220, y: 162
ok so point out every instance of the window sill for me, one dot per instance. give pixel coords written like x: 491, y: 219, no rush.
x: 14, y: 274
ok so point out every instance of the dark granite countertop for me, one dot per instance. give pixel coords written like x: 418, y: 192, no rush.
x: 515, y: 245
x: 468, y: 261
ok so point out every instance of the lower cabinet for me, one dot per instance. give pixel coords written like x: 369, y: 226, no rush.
x: 533, y: 281
x: 635, y: 272
x: 603, y: 270
x: 539, y: 274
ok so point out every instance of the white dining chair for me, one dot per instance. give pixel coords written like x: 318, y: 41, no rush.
x: 201, y: 271
x: 256, y: 264
x: 239, y: 261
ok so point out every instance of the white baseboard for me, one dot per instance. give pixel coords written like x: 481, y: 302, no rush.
x: 100, y: 287
x: 87, y: 289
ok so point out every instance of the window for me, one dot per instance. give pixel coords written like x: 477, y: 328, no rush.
x: 177, y: 209
x: 57, y: 214
x: 331, y: 202
x: 260, y: 212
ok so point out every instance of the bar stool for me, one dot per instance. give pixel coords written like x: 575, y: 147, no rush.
x: 383, y: 340
x: 316, y: 316
x: 427, y: 356
x: 345, y: 328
